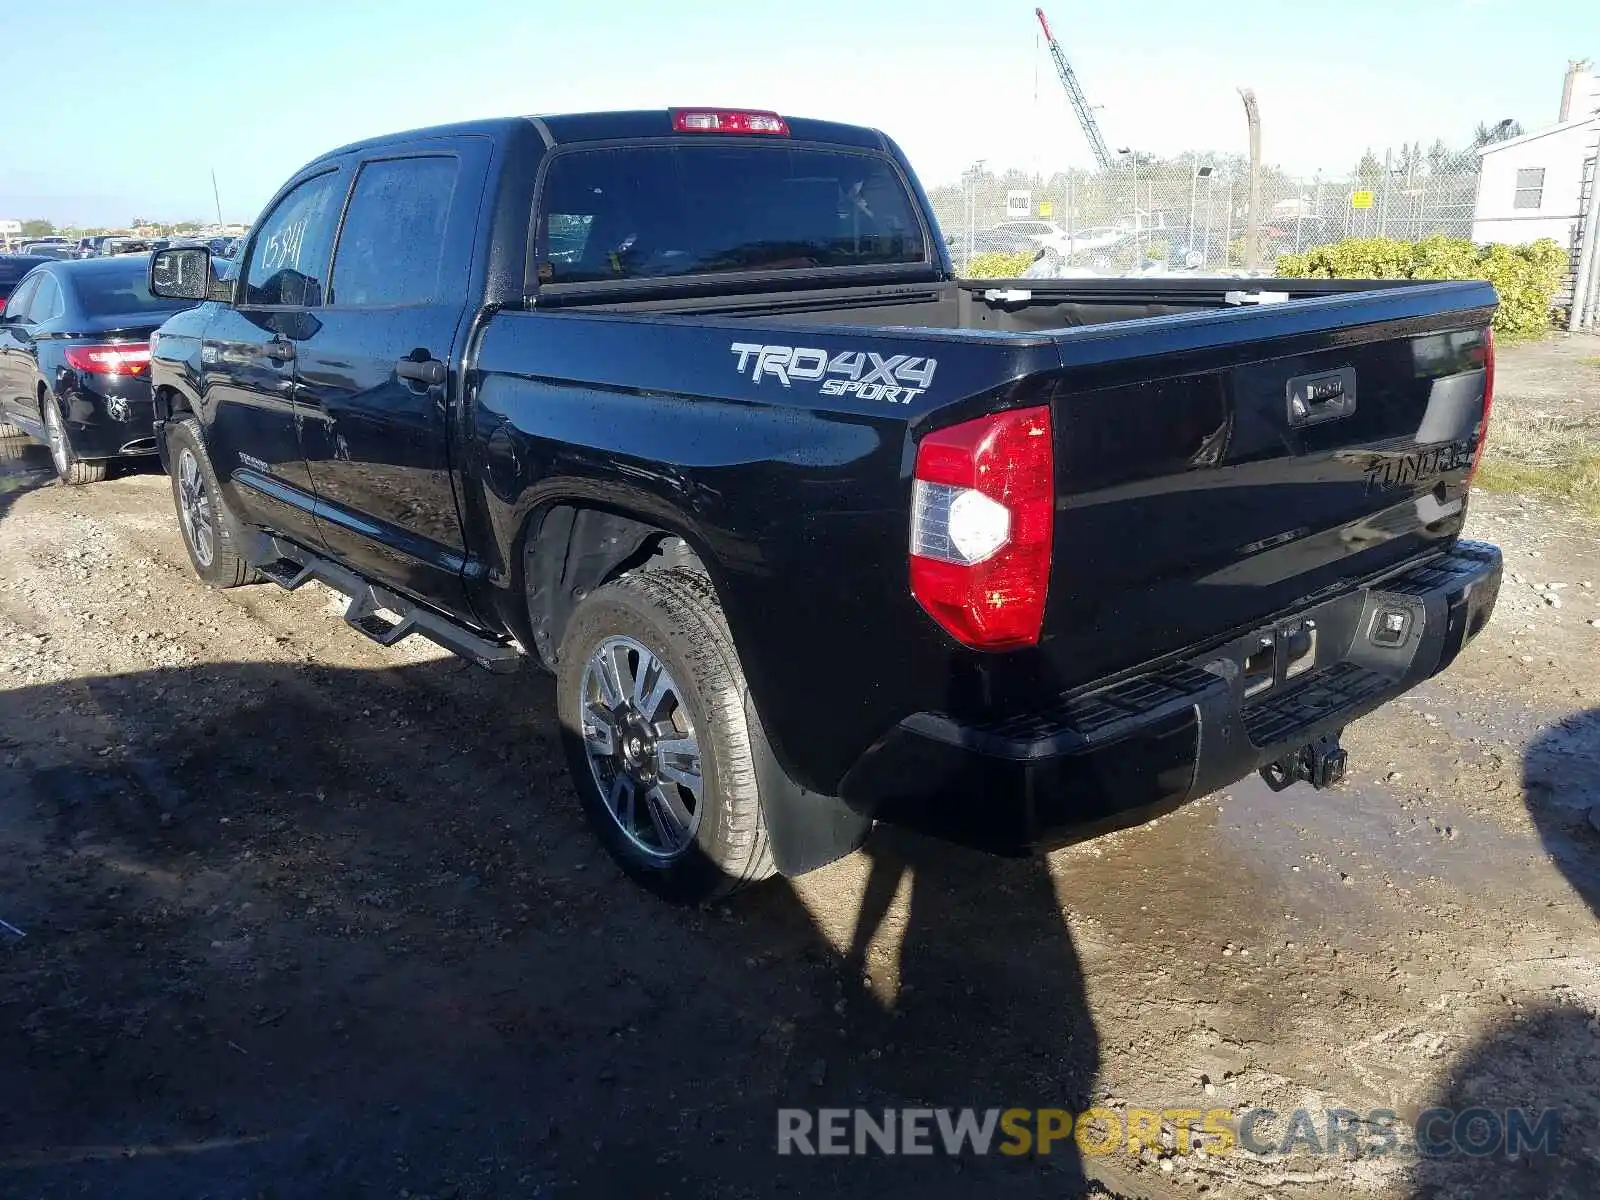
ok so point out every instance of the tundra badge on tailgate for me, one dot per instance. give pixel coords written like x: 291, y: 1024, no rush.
x: 857, y: 373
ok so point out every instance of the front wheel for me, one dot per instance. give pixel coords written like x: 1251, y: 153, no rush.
x: 68, y: 465
x: 651, y: 698
x: 202, y: 514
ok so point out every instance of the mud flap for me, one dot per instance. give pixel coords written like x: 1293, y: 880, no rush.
x: 806, y: 829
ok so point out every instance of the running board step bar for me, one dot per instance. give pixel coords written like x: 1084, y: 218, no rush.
x: 293, y: 566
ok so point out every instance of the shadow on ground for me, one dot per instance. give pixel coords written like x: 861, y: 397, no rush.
x: 1547, y: 1058
x: 298, y: 931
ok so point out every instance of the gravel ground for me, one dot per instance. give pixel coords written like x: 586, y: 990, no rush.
x: 307, y: 917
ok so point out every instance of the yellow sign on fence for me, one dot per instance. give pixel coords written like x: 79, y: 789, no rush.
x: 1046, y: 209
x: 1360, y: 199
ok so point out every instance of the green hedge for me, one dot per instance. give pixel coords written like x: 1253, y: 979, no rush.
x: 1525, y: 276
x: 994, y: 265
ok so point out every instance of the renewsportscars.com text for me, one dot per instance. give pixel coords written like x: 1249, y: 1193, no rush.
x: 1436, y: 1133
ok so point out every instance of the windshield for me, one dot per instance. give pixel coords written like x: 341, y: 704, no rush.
x: 648, y: 212
x: 121, y: 286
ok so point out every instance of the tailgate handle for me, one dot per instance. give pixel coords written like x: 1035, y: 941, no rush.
x: 1326, y: 396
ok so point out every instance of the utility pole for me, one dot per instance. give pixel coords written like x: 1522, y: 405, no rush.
x: 1252, y: 229
x: 1227, y: 235
x: 216, y: 195
x: 1383, y: 204
x: 1196, y: 174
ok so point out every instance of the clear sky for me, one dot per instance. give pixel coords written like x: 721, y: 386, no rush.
x: 129, y: 106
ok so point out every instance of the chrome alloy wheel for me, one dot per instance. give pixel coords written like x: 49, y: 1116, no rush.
x: 641, y: 745
x: 194, y: 507
x: 56, y: 436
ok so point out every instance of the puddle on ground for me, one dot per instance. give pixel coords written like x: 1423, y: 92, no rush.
x: 1360, y: 830
x: 1380, y: 836
x: 24, y: 465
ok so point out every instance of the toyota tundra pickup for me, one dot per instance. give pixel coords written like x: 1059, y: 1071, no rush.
x: 689, y: 407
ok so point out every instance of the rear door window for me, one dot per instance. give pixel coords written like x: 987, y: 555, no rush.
x: 651, y: 212
x: 46, y: 305
x: 393, y: 240
x: 21, y: 298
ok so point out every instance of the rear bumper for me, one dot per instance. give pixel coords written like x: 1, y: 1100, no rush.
x: 1101, y: 760
x: 108, y: 416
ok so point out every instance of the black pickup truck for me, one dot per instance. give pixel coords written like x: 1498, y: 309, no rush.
x: 690, y: 407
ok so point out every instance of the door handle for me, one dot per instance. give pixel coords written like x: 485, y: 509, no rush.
x: 279, y: 350
x: 429, y: 371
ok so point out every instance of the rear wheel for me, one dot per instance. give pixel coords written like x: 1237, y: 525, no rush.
x: 208, y: 527
x: 651, y: 697
x: 68, y: 465
x: 7, y: 431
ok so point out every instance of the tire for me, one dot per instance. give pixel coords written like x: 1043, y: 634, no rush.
x: 63, y: 457
x: 210, y: 530
x: 11, y: 431
x: 673, y: 616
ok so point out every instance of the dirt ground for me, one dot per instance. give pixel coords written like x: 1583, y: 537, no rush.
x: 293, y: 915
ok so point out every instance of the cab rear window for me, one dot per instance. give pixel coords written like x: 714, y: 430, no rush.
x: 651, y: 212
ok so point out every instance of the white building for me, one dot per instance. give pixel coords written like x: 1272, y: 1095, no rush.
x: 1532, y: 187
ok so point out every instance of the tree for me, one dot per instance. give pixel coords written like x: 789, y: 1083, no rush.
x: 1438, y: 157
x: 37, y: 228
x: 1487, y: 135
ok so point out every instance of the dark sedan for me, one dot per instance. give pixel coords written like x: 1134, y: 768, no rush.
x: 12, y: 268
x: 75, y: 361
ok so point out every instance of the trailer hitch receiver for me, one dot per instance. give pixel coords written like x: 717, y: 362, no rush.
x: 1320, y: 763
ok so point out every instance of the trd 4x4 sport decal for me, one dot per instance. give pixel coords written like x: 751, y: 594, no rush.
x: 895, y: 378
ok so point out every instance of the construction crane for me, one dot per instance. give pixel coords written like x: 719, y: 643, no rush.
x: 1080, y: 103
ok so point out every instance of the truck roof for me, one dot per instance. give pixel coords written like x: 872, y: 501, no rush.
x: 560, y: 129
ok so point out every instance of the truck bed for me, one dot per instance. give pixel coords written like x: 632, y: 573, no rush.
x: 1191, y: 505
x: 993, y: 305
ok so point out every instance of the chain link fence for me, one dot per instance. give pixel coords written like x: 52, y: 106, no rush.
x: 1190, y: 213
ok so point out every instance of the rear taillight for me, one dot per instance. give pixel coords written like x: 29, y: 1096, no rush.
x: 128, y: 358
x: 722, y: 120
x: 1488, y: 401
x: 982, y: 522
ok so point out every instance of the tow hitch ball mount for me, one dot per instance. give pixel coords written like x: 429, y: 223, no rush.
x: 1320, y: 763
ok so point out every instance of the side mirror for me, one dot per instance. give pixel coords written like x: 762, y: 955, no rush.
x: 181, y: 274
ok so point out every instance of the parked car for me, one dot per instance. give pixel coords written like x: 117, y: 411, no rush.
x: 986, y: 241
x: 844, y: 538
x: 91, y: 246
x: 128, y: 245
x: 1283, y: 233
x: 1096, y: 237
x: 74, y: 362
x: 55, y: 251
x: 12, y: 269
x: 1012, y: 237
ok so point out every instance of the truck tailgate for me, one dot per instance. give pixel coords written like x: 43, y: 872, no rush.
x: 1216, y: 469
